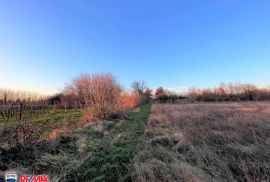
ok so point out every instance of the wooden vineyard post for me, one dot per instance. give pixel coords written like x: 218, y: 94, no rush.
x: 21, y: 108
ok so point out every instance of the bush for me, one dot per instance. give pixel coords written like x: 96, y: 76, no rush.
x: 101, y: 94
x: 128, y: 100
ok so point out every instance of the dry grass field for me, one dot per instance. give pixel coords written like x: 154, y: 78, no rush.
x: 206, y: 142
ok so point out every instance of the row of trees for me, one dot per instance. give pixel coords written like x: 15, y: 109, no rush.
x: 229, y: 92
x: 225, y: 92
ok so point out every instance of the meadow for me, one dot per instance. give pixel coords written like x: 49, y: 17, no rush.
x: 206, y: 142
x: 155, y: 142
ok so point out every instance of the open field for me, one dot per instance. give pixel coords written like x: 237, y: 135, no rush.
x: 159, y: 142
x: 206, y: 142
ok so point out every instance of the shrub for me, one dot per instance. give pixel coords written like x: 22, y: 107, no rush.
x: 128, y: 100
x: 102, y: 95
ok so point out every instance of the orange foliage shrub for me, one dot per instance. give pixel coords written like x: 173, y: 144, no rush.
x: 99, y: 93
x: 128, y: 100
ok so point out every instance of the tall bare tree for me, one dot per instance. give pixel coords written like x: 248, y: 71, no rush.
x: 139, y: 86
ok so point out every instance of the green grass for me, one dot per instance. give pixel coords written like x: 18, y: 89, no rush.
x: 48, y: 115
x: 112, y: 158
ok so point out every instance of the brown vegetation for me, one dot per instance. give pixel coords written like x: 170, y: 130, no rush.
x: 206, y: 142
x: 142, y: 90
x: 128, y: 100
x: 103, y: 96
x: 230, y: 92
x: 99, y: 93
x: 225, y: 92
x: 163, y: 95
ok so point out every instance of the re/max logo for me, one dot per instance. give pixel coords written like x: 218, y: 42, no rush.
x: 34, y: 179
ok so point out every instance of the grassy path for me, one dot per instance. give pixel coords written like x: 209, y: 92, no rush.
x: 113, y: 153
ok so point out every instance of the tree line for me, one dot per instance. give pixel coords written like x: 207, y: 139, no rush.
x: 102, y: 96
x: 224, y: 92
x: 230, y: 92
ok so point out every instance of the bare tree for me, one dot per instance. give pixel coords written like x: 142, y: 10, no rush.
x: 139, y: 86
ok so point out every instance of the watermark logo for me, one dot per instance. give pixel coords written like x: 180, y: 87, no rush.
x: 11, y: 176
x: 34, y: 179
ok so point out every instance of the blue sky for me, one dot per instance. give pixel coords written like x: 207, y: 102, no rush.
x: 176, y: 43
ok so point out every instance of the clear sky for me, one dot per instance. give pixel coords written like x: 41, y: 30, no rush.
x: 176, y: 43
